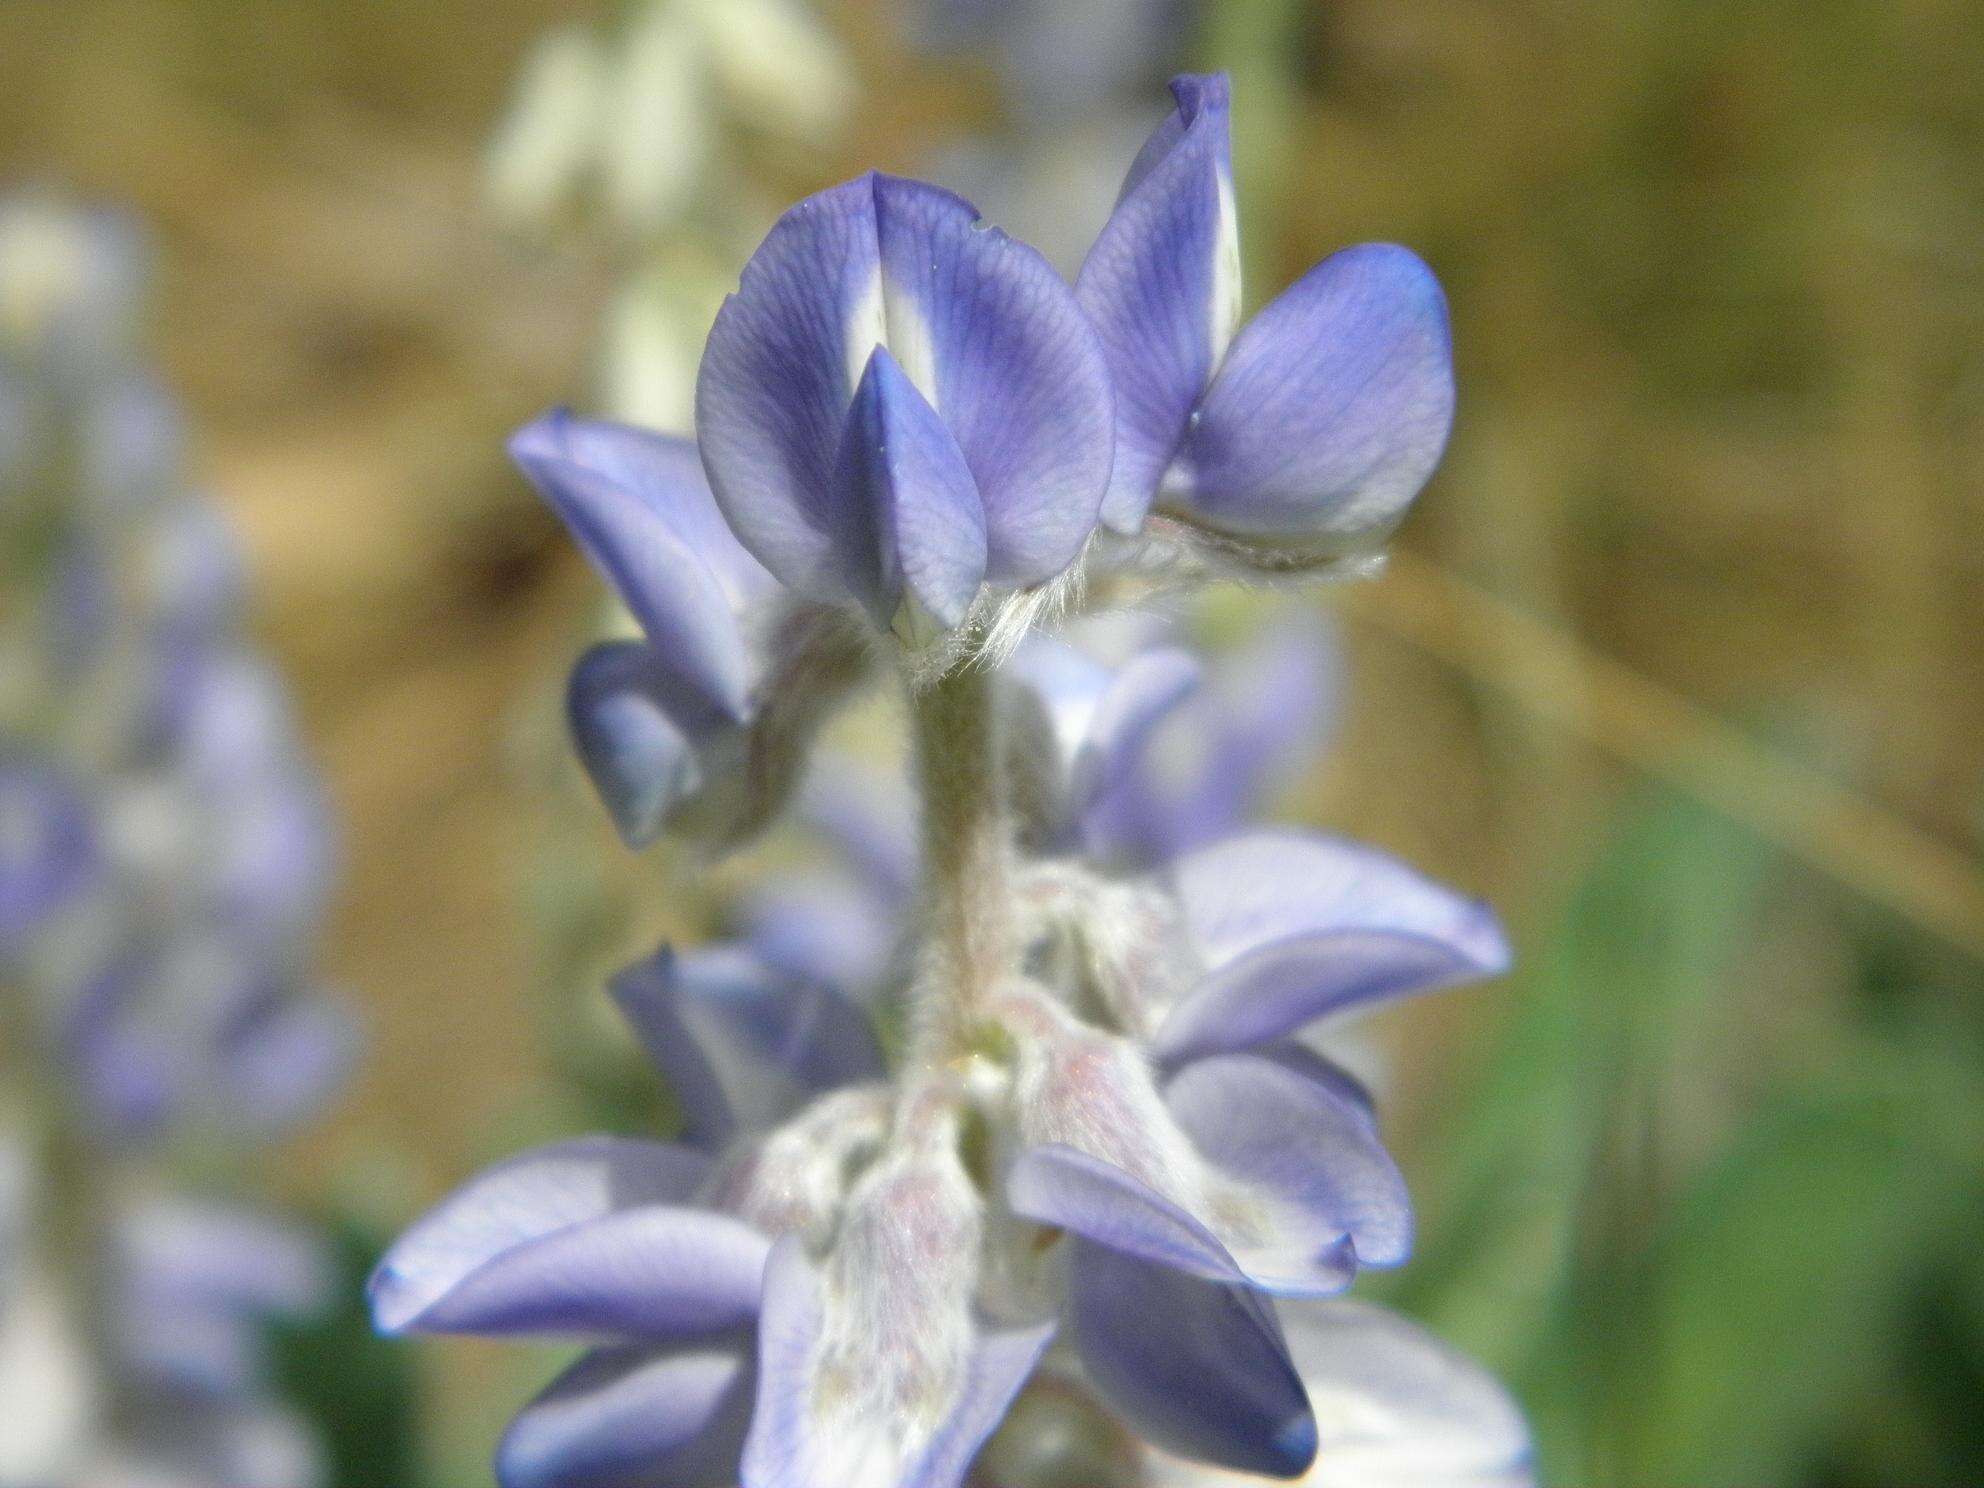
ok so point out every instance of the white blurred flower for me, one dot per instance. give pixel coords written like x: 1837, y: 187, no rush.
x: 637, y: 117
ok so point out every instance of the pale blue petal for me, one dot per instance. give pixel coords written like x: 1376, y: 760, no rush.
x: 536, y: 1237
x: 1162, y: 286
x: 636, y: 735
x: 639, y: 505
x: 996, y: 341
x: 1292, y: 926
x: 1303, y: 1140
x: 1331, y: 409
x: 1402, y: 1409
x: 1056, y: 1185
x: 777, y: 377
x: 911, y: 502
x: 743, y: 1045
x: 635, y: 1418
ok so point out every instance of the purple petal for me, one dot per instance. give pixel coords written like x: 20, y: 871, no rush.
x: 792, y: 1446
x: 1332, y: 407
x: 742, y: 1044
x: 778, y: 374
x: 287, y: 1061
x: 639, y: 505
x: 626, y: 1416
x: 1293, y: 926
x: 636, y: 736
x: 223, y: 1258
x: 580, y: 1237
x: 1056, y: 1185
x: 997, y: 342
x: 1194, y: 1367
x: 1205, y: 767
x: 1403, y: 1410
x: 1162, y: 285
x: 48, y: 850
x: 989, y: 335
x: 1306, y: 1142
x: 913, y: 517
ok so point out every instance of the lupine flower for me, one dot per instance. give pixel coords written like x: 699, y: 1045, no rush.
x: 721, y: 694
x: 900, y: 407
x: 1309, y: 429
x: 1178, y: 1193
x: 164, y: 857
x: 1093, y: 1152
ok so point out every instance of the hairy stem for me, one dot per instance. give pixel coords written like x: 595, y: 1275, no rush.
x: 968, y: 907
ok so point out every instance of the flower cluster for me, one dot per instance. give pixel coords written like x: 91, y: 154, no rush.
x: 164, y: 856
x: 1017, y: 1117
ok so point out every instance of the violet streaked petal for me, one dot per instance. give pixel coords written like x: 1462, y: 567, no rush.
x: 1196, y: 1367
x: 1304, y: 1142
x: 981, y: 325
x: 744, y: 1045
x: 532, y: 1197
x: 996, y: 341
x: 635, y: 1418
x: 639, y: 505
x: 777, y: 376
x: 1331, y: 410
x: 804, y: 1436
x: 1293, y: 926
x: 1059, y: 1186
x: 1162, y: 286
x: 911, y: 516
x: 662, y: 1271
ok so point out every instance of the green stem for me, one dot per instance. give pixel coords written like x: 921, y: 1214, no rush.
x: 968, y: 916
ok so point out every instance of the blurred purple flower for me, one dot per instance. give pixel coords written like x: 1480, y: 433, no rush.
x: 48, y: 850
x: 1062, y: 56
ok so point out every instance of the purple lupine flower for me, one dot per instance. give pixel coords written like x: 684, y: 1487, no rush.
x: 900, y: 406
x: 1212, y: 763
x: 1097, y: 1150
x: 1312, y: 427
x: 48, y: 849
x: 1177, y: 1193
x: 158, y: 903
x: 665, y: 726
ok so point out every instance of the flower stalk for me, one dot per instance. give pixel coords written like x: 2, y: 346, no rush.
x: 968, y: 944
